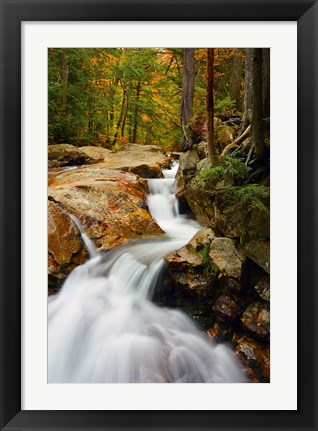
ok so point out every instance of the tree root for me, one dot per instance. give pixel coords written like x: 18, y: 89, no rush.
x: 237, y: 142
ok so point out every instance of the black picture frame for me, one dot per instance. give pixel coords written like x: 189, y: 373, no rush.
x: 13, y: 12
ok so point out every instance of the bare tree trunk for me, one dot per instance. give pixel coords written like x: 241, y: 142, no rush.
x: 248, y: 97
x: 124, y: 119
x: 257, y: 129
x: 187, y: 98
x: 210, y: 104
x: 266, y: 88
x: 104, y: 144
x: 236, y: 78
x: 107, y: 123
x: 134, y: 135
x: 129, y: 127
x: 120, y: 118
x: 111, y: 113
x: 112, y: 92
x: 65, y: 72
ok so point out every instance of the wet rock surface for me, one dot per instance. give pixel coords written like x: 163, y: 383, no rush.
x: 226, y: 287
x: 107, y: 198
x: 145, y: 161
x: 259, y: 252
x: 188, y: 161
x: 97, y: 153
x: 228, y: 258
x: 263, y: 288
x: 219, y: 280
x: 65, y: 247
x: 227, y: 307
x: 187, y: 283
x: 67, y: 155
x: 110, y: 204
x: 256, y: 320
x: 255, y: 358
x: 214, y: 208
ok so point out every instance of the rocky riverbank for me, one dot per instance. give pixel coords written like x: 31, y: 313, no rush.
x: 107, y: 195
x: 220, y: 278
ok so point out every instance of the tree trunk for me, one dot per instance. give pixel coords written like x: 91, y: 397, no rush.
x: 129, y: 127
x: 257, y: 129
x: 236, y: 78
x: 248, y: 97
x: 65, y: 71
x: 187, y: 98
x: 210, y: 104
x: 266, y: 88
x: 112, y: 93
x: 107, y: 124
x: 111, y: 112
x: 120, y: 118
x: 124, y: 119
x: 134, y: 135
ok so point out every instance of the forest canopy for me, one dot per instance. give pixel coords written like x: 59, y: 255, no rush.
x: 111, y: 96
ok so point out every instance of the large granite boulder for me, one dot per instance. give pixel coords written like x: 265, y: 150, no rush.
x: 107, y: 197
x: 67, y: 155
x: 216, y: 209
x: 97, y: 153
x: 143, y: 160
x: 259, y: 252
x: 187, y: 166
x: 188, y: 161
x: 197, y: 271
x: 65, y: 247
x: 111, y: 205
x: 189, y: 281
x: 228, y: 258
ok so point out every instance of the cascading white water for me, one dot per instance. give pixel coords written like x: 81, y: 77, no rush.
x: 163, y: 206
x: 103, y: 327
x: 89, y: 244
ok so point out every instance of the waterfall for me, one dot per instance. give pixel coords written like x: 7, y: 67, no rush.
x: 89, y: 244
x: 103, y: 327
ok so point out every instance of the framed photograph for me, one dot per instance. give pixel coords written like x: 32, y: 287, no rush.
x: 158, y: 168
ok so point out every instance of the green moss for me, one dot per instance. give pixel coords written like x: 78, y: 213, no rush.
x: 190, y: 248
x: 209, y: 266
x: 206, y: 260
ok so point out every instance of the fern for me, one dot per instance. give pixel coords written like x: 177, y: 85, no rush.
x: 251, y: 196
x: 227, y: 166
x: 210, y: 176
x: 224, y: 105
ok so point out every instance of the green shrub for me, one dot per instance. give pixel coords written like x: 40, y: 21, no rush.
x: 224, y: 105
x: 250, y: 196
x: 227, y: 166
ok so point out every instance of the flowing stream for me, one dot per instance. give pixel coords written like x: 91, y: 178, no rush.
x: 103, y: 327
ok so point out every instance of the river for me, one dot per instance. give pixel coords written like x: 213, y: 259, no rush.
x: 104, y: 328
